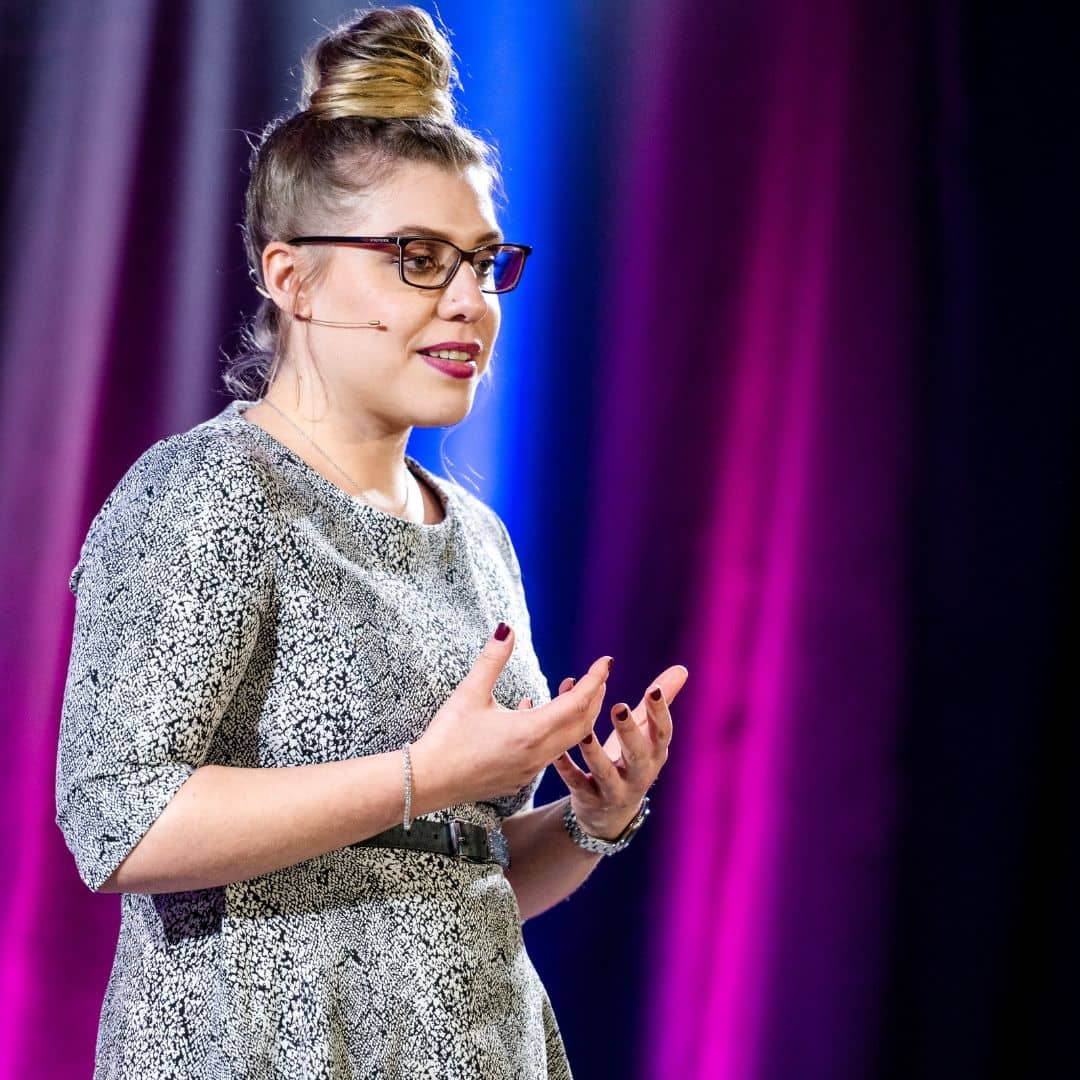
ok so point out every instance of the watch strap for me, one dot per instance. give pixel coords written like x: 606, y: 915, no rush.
x: 597, y: 844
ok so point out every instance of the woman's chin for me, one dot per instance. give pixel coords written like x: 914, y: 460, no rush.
x: 452, y: 413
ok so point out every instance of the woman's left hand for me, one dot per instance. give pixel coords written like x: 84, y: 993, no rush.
x: 607, y: 797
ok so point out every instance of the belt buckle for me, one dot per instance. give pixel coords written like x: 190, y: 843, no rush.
x: 455, y: 843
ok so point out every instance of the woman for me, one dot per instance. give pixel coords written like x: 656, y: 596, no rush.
x: 304, y: 721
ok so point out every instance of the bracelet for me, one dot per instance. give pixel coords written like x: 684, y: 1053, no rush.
x: 596, y: 844
x: 408, y: 787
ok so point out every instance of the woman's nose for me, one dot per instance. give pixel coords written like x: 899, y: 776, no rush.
x: 462, y: 293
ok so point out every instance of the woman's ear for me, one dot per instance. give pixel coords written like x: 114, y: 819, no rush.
x: 282, y: 276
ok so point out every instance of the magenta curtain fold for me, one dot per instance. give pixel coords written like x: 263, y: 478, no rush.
x: 75, y: 405
x: 756, y: 477
x: 77, y: 186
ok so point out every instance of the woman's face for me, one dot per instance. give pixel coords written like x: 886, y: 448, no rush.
x: 379, y: 373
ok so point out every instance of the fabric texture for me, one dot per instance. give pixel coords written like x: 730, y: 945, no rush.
x: 233, y: 606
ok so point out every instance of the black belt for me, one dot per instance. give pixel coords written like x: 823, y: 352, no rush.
x: 462, y: 839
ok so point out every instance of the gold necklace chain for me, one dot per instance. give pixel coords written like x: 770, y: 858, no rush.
x: 363, y: 491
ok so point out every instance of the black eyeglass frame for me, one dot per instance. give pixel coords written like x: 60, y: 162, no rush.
x: 401, y: 241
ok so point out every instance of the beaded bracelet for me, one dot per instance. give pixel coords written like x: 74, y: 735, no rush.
x: 408, y: 787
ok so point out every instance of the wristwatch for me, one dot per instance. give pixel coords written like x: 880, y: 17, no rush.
x: 595, y: 843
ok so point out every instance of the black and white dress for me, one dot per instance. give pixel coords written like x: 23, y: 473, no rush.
x: 235, y: 607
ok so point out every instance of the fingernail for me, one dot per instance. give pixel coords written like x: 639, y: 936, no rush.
x: 501, y: 631
x: 656, y: 694
x: 611, y: 661
x: 573, y: 681
x: 622, y: 714
x: 587, y: 739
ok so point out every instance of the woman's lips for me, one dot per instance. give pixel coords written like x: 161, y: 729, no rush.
x: 457, y: 369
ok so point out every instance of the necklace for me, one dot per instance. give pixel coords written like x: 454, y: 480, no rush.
x: 363, y: 491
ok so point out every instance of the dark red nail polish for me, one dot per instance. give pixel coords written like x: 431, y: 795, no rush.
x: 501, y: 631
x: 622, y: 714
x: 610, y: 663
x: 656, y: 694
x: 587, y: 739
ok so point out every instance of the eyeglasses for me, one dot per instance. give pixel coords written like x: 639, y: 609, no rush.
x: 430, y: 263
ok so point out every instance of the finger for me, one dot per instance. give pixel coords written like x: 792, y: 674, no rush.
x: 587, y: 694
x: 659, y: 716
x: 595, y: 678
x: 525, y: 703
x: 567, y: 684
x: 613, y: 748
x: 671, y: 681
x: 488, y: 666
x: 601, y: 767
x: 635, y: 748
x: 575, y: 778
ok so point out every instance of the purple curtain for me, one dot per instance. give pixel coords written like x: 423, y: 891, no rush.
x: 756, y: 481
x: 805, y: 424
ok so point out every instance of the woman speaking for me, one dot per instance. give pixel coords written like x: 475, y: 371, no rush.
x: 304, y: 722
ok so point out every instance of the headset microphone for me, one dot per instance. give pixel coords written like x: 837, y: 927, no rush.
x: 354, y: 325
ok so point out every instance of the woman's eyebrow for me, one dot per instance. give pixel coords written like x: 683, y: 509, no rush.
x: 427, y: 230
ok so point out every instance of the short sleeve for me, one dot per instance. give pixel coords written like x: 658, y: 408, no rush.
x: 172, y: 581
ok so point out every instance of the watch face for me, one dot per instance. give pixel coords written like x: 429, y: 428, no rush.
x: 641, y: 815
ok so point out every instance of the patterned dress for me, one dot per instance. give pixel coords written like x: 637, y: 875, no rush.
x: 235, y: 607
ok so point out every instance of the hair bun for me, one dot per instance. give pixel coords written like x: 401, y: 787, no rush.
x: 390, y: 62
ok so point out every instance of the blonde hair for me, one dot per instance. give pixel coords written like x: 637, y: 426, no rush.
x: 376, y: 93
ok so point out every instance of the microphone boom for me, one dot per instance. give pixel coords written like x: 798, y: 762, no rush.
x: 352, y: 325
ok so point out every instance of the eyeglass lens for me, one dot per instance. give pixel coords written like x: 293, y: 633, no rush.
x: 430, y: 262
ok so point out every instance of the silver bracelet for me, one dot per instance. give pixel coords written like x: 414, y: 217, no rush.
x: 596, y: 844
x: 408, y: 787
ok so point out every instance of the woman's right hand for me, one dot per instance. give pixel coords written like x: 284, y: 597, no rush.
x: 475, y: 749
